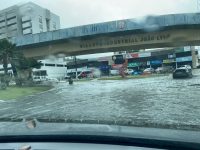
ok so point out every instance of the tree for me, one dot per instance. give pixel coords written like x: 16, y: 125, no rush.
x: 9, y: 55
x: 7, y: 50
x: 24, y: 68
x: 6, y: 53
x: 27, y: 64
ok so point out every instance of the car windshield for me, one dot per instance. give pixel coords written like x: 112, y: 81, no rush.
x: 107, y: 62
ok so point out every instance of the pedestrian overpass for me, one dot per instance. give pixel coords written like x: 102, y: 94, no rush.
x: 131, y: 34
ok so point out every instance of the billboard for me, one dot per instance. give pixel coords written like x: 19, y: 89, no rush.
x: 156, y: 62
x: 183, y: 59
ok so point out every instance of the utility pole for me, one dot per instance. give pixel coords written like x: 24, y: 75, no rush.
x: 75, y: 61
x: 194, y: 57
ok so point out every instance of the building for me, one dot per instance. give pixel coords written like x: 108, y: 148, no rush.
x: 27, y: 18
x: 97, y: 66
x: 174, y: 57
x: 51, y: 69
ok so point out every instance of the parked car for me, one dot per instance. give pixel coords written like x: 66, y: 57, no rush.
x: 137, y: 72
x: 186, y: 66
x: 148, y: 70
x: 167, y: 69
x: 182, y: 72
x: 85, y: 74
x: 39, y: 78
x: 114, y: 72
x: 129, y: 71
x: 53, y: 80
x: 159, y: 70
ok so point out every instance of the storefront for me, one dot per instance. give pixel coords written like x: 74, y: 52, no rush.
x: 137, y: 65
x: 184, y: 61
x: 169, y: 62
x: 155, y: 63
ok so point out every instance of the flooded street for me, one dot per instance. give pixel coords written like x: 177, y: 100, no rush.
x: 158, y: 100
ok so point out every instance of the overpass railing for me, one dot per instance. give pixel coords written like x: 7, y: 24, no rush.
x: 150, y: 22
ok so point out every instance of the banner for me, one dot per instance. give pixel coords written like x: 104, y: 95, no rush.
x: 183, y: 59
x: 134, y: 64
x: 168, y: 61
x: 156, y: 62
x: 179, y: 50
x: 145, y: 54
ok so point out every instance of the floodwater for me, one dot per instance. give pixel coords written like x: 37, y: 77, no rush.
x: 158, y: 101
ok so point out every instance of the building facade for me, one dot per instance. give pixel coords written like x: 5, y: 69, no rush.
x: 174, y: 57
x: 27, y: 18
x: 52, y: 69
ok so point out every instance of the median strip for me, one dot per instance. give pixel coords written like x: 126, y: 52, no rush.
x: 15, y: 92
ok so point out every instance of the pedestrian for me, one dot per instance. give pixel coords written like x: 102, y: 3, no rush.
x: 70, y: 80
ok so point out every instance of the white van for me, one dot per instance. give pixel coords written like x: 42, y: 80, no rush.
x: 114, y: 72
x: 39, y: 78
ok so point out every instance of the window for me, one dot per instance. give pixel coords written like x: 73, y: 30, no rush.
x: 40, y: 73
x: 48, y: 24
x: 54, y: 25
x: 50, y: 65
x: 41, y: 26
x: 59, y: 65
x: 40, y: 19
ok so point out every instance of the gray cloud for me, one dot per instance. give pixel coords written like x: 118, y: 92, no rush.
x: 79, y: 12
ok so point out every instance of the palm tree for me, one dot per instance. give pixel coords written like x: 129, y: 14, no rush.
x: 6, y: 54
x: 9, y: 55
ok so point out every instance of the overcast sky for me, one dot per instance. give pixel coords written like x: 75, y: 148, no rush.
x: 80, y: 12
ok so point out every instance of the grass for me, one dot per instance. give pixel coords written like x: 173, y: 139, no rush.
x: 14, y: 92
x: 132, y: 77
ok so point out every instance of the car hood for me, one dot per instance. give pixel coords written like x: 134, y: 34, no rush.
x: 45, y: 128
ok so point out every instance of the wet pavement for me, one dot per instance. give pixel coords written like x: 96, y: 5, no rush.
x: 158, y: 100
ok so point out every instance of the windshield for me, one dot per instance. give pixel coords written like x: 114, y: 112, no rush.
x: 129, y: 63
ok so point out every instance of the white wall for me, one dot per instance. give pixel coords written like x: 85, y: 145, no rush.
x: 35, y: 11
x: 56, y: 19
x: 54, y: 71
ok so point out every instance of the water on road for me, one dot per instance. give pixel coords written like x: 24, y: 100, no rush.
x: 158, y: 100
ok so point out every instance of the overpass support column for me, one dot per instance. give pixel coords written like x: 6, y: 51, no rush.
x: 194, y: 57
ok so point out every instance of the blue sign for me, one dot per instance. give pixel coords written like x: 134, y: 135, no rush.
x: 156, y: 62
x: 183, y: 59
x: 104, y: 67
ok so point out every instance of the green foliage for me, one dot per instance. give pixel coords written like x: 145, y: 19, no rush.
x: 27, y: 63
x: 3, y: 80
x: 6, y: 53
x: 10, y: 55
x: 14, y: 92
x: 6, y: 47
